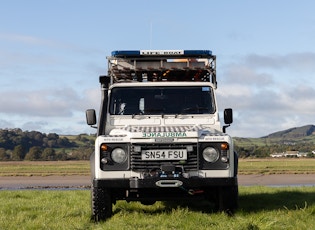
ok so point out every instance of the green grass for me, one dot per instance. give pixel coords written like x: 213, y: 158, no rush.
x: 44, y: 168
x: 277, y: 166
x: 260, y: 208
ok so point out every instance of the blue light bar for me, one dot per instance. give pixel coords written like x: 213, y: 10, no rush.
x: 122, y: 53
x: 198, y: 52
x: 162, y: 53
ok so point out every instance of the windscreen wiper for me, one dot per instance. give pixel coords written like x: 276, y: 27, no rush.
x: 195, y: 109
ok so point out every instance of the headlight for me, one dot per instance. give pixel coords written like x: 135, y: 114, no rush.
x: 118, y: 155
x: 210, y: 154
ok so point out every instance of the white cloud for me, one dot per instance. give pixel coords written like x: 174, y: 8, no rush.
x: 238, y: 73
x: 47, y: 103
x: 34, y: 125
x: 303, y: 62
x: 26, y: 39
x: 48, y: 110
x: 262, y: 102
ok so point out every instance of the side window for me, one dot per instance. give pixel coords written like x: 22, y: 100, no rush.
x: 117, y: 103
x: 127, y: 101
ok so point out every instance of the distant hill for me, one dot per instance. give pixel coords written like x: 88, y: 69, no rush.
x: 294, y: 139
x: 296, y: 132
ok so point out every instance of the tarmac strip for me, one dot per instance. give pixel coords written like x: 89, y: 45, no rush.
x: 31, y: 182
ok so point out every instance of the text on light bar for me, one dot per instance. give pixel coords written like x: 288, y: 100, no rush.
x: 161, y: 52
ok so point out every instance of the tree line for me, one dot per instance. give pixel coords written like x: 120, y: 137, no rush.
x: 17, y: 145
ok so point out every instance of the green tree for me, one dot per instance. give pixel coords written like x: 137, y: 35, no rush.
x: 3, y: 155
x: 34, y: 153
x: 18, y: 153
x: 82, y: 153
x: 49, y: 154
x: 61, y: 155
x: 53, y: 136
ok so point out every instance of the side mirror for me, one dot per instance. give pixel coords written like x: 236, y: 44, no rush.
x: 228, y: 118
x: 90, y: 117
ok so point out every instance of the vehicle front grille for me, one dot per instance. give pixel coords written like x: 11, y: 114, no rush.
x: 137, y: 164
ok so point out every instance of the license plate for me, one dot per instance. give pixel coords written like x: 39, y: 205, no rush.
x: 164, y: 154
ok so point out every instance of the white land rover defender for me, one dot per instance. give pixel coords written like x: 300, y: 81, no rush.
x: 158, y: 135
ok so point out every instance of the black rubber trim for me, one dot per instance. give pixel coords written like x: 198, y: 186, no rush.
x: 194, y: 182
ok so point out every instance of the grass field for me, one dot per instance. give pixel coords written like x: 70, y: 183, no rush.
x: 246, y: 166
x: 44, y: 168
x: 260, y: 208
x: 277, y: 166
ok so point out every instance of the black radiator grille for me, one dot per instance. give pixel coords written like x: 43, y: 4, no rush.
x: 144, y: 166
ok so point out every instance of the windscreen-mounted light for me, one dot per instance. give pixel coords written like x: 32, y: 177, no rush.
x: 162, y: 53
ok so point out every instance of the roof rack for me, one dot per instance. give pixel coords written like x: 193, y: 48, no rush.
x: 162, y: 65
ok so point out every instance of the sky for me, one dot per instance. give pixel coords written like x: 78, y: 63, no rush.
x: 52, y: 53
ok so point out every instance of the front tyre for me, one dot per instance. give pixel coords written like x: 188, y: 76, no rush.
x: 101, y: 204
x: 227, y: 199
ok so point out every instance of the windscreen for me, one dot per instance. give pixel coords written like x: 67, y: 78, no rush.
x: 161, y: 100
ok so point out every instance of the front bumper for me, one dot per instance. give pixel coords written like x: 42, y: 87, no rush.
x: 191, y: 183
